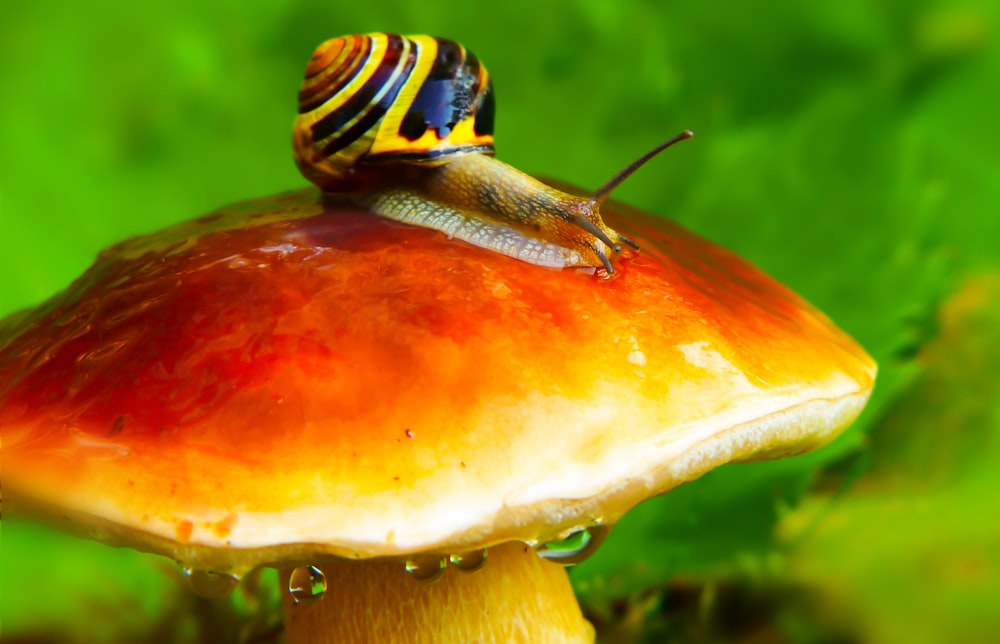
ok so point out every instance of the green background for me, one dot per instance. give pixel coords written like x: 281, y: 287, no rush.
x: 851, y: 149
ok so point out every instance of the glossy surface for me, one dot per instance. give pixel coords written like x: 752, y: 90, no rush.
x: 296, y: 380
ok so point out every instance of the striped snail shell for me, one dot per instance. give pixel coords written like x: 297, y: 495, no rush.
x: 380, y: 99
x: 403, y: 125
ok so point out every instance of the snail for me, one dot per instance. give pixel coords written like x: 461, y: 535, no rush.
x: 403, y: 125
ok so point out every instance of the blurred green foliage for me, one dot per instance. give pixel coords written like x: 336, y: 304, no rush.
x: 850, y: 149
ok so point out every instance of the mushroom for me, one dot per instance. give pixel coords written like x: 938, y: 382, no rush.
x: 368, y: 405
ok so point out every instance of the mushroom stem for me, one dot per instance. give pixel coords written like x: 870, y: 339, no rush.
x: 516, y: 597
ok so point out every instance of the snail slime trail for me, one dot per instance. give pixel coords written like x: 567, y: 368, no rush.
x: 403, y: 125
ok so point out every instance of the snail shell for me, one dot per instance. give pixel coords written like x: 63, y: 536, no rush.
x: 382, y: 99
x: 404, y: 126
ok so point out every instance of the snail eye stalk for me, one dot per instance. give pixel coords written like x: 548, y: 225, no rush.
x: 604, y: 191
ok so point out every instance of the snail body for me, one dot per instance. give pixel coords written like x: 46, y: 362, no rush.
x: 490, y: 204
x: 404, y: 126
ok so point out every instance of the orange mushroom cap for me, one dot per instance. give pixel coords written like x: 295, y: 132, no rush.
x: 283, y: 380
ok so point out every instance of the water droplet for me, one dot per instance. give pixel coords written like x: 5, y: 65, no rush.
x: 468, y: 561
x: 211, y: 584
x: 426, y: 569
x: 306, y: 585
x: 576, y: 547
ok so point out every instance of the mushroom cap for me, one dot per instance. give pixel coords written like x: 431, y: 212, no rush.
x: 285, y: 379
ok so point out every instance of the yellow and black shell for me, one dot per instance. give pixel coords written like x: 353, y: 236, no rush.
x: 373, y: 99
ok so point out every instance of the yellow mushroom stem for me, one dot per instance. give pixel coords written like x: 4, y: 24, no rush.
x: 515, y: 597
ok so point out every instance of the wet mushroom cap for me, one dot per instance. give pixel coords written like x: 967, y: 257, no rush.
x: 283, y: 380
